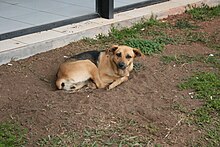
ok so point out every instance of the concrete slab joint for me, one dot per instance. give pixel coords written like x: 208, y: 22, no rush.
x: 28, y: 45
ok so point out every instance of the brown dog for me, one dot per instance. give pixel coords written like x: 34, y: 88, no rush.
x: 107, y: 68
x: 76, y: 74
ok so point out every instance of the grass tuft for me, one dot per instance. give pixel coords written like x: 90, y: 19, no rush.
x: 197, y: 37
x: 125, y: 33
x: 164, y: 39
x: 204, y: 12
x: 146, y: 46
x: 12, y: 135
x: 184, y: 24
x: 206, y: 85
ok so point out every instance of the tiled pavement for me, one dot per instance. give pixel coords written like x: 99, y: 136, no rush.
x: 21, y: 14
x: 25, y: 46
x: 29, y: 13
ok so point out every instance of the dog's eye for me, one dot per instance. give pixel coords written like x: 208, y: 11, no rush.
x: 118, y: 54
x: 128, y: 56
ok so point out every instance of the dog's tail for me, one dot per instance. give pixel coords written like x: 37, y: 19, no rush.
x: 60, y: 83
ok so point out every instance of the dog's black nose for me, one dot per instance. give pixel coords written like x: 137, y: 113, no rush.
x: 121, y: 65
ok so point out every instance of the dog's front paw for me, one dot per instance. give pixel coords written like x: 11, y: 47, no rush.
x: 110, y: 87
x: 107, y: 88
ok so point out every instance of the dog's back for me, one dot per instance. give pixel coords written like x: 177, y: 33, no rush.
x: 93, y: 56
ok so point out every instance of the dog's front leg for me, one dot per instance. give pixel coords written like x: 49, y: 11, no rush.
x: 117, y: 82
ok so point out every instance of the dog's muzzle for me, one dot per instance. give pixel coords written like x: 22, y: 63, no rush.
x: 121, y: 65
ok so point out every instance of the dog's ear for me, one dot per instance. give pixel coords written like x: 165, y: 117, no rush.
x: 112, y: 49
x: 137, y: 52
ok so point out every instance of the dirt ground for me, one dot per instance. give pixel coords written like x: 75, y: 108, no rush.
x: 28, y: 95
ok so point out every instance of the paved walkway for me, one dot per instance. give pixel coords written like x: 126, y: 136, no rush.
x: 28, y: 45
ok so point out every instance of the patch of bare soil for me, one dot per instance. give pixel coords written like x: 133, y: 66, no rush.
x: 151, y: 96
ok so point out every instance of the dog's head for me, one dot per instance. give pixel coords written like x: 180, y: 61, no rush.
x: 123, y: 56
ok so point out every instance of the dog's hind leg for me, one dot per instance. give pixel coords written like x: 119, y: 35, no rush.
x: 74, y: 87
x: 96, y: 79
x: 79, y: 85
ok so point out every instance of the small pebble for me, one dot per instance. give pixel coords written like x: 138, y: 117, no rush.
x: 191, y: 93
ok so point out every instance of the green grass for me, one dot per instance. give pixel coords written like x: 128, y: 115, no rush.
x: 197, y: 37
x: 214, y: 41
x: 164, y: 39
x: 206, y: 87
x: 158, y: 35
x: 153, y: 22
x: 120, y: 133
x: 213, y: 134
x: 136, y: 30
x: 179, y: 107
x: 117, y: 36
x: 169, y: 59
x: 213, y: 60
x: 12, y: 135
x: 204, y: 12
x: 184, y: 24
x: 154, y: 32
x: 58, y: 140
x: 146, y: 46
x: 125, y: 33
x: 189, y: 36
